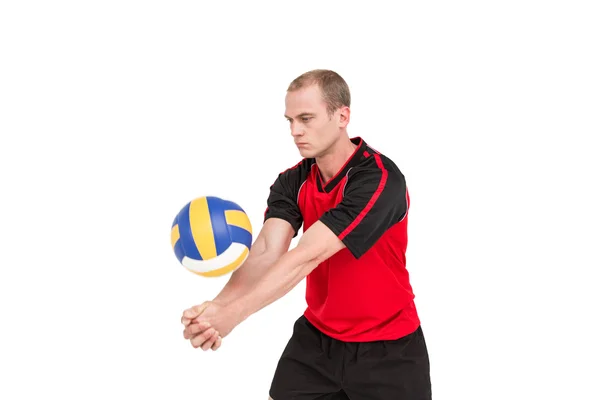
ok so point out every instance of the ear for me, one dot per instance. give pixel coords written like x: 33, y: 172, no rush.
x: 344, y: 118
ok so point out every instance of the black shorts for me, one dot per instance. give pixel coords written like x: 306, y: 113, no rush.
x: 316, y: 366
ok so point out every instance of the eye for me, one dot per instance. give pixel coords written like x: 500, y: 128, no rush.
x: 306, y: 119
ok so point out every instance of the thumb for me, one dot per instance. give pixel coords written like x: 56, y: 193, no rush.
x: 193, y: 312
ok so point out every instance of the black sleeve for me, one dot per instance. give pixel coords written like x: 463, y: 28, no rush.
x: 374, y: 200
x: 283, y: 197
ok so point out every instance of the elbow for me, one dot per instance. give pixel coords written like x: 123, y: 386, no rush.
x: 314, y: 249
x: 306, y: 268
x: 319, y: 258
x: 308, y: 260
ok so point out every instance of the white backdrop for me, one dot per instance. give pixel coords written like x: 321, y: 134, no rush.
x: 114, y: 114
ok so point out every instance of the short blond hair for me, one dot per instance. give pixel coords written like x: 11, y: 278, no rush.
x: 334, y: 88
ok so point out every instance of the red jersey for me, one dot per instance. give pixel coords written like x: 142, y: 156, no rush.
x: 363, y: 292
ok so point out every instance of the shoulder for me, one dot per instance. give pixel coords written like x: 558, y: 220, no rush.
x: 291, y: 178
x: 296, y: 173
x: 299, y: 168
x: 376, y: 167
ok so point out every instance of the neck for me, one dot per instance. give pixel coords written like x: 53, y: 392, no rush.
x: 334, y: 159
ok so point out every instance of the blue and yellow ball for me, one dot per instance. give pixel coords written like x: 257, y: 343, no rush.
x: 211, y: 236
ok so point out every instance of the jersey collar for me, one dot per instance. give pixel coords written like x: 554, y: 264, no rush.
x: 352, y: 161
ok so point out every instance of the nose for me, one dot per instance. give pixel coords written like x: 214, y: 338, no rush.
x: 297, y: 129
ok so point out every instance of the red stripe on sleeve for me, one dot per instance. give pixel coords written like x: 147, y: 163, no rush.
x: 371, y: 202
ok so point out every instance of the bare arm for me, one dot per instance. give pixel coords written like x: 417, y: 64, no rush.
x: 316, y: 245
x: 272, y: 242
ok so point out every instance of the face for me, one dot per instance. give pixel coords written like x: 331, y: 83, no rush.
x: 313, y: 130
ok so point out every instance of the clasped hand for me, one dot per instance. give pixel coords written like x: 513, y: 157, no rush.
x: 206, y: 324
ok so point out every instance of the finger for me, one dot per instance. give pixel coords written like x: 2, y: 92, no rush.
x: 217, y: 343
x: 184, y: 316
x: 209, y: 343
x: 195, y: 329
x: 193, y: 312
x: 199, y: 339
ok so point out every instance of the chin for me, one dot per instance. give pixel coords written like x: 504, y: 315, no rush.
x: 307, y: 153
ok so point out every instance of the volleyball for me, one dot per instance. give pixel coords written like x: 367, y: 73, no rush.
x: 211, y: 236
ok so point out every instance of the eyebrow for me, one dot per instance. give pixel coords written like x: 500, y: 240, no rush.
x: 301, y: 115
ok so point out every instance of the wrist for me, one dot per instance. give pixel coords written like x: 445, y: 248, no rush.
x: 240, y: 307
x: 228, y: 294
x: 221, y: 300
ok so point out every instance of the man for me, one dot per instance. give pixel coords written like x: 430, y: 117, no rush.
x: 360, y: 336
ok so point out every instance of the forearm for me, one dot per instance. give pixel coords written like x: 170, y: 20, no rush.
x: 245, y: 277
x: 277, y: 281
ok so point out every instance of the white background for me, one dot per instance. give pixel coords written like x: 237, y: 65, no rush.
x: 114, y: 114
